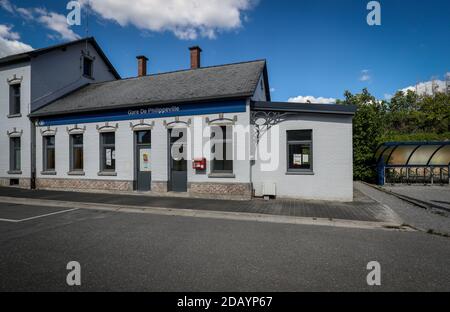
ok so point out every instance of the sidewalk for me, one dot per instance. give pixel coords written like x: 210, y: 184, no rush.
x: 362, y: 209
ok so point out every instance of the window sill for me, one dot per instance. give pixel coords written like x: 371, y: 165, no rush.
x: 222, y: 175
x: 300, y: 173
x: 76, y: 173
x: 107, y: 174
x: 14, y: 172
x: 48, y: 172
x: 88, y: 77
x: 15, y: 115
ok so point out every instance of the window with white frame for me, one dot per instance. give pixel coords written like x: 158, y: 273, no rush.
x: 299, y: 151
x: 76, y: 152
x: 14, y: 99
x: 222, y: 149
x: 108, y: 151
x: 49, y: 152
x: 88, y: 65
x: 15, y: 154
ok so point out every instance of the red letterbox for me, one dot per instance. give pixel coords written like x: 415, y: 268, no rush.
x: 199, y: 164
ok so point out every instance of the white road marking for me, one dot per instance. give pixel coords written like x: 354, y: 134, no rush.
x: 37, y: 217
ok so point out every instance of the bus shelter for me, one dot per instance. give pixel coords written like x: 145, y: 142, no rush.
x: 413, y: 162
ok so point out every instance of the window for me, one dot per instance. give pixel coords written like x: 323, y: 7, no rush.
x: 76, y: 152
x: 14, y: 160
x: 222, y: 149
x: 49, y: 153
x: 299, y: 150
x: 87, y: 66
x: 143, y: 137
x: 108, y: 151
x: 14, y: 99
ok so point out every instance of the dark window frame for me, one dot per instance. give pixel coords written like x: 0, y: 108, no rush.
x: 72, y: 147
x: 14, y: 149
x: 304, y: 143
x: 88, y: 66
x: 103, y: 146
x: 226, y: 130
x: 15, y: 99
x: 45, y: 149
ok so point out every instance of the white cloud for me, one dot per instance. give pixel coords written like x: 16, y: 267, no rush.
x: 51, y: 20
x: 312, y: 99
x: 186, y: 19
x: 9, y: 42
x: 365, y: 75
x: 56, y: 22
x: 25, y: 13
x: 427, y: 87
x: 5, y: 4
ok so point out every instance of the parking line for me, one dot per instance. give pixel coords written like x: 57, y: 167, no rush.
x: 37, y: 217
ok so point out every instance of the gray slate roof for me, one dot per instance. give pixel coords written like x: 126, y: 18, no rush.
x: 207, y: 83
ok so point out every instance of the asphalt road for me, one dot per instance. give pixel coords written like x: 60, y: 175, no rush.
x: 143, y: 252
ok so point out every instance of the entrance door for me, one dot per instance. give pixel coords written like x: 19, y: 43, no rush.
x: 177, y: 160
x: 143, y: 167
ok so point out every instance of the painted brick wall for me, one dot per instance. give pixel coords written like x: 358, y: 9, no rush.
x: 332, y: 160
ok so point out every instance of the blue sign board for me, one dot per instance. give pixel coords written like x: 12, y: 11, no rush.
x: 148, y: 112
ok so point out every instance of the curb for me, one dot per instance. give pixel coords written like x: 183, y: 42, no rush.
x: 237, y: 216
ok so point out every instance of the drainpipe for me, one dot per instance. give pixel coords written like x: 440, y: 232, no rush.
x: 33, y: 154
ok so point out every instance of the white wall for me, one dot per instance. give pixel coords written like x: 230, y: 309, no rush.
x: 125, y: 151
x: 332, y: 160
x: 21, y: 70
x: 260, y: 92
x: 59, y: 72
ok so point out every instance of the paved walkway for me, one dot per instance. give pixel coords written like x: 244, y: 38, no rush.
x: 412, y: 215
x: 362, y: 209
x: 434, y: 196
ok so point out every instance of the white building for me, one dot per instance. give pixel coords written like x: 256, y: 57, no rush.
x: 205, y: 131
x: 32, y: 80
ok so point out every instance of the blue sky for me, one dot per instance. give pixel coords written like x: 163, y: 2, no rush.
x: 313, y: 48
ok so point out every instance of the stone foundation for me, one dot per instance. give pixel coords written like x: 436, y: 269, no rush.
x: 23, y: 182
x: 240, y: 191
x: 84, y: 184
x: 159, y: 187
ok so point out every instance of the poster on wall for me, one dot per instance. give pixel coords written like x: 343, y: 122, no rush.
x: 144, y: 160
x: 306, y: 159
x: 108, y: 157
x: 297, y: 159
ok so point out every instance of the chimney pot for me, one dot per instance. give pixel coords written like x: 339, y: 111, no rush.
x: 195, y: 57
x: 142, y: 65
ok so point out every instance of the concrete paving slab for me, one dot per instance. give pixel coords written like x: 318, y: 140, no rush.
x: 435, y: 196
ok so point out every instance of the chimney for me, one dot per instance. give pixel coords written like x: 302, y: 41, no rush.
x: 142, y: 65
x: 195, y: 57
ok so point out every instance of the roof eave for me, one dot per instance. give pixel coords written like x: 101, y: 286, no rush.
x: 349, y: 110
x: 36, y: 114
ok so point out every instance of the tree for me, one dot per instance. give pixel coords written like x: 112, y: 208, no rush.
x: 368, y: 128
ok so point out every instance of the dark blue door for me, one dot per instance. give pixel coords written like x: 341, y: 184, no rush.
x: 177, y: 160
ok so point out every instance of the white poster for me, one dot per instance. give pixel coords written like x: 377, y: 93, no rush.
x: 114, y: 155
x: 297, y: 159
x: 144, y: 160
x: 108, y: 157
x: 305, y: 158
